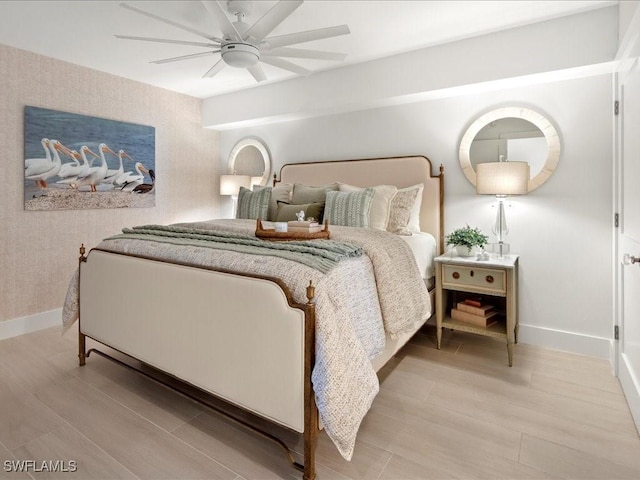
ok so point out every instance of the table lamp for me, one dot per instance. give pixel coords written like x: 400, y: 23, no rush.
x: 230, y: 185
x: 256, y: 181
x: 502, y: 179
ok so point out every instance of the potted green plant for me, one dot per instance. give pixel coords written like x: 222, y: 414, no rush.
x: 465, y: 239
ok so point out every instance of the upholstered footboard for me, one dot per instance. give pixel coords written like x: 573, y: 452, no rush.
x: 235, y: 336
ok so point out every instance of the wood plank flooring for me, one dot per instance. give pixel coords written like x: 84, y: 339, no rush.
x: 460, y: 413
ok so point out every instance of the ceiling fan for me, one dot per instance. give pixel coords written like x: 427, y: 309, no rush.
x: 243, y: 45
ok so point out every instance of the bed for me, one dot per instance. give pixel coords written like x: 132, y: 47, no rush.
x: 271, y: 336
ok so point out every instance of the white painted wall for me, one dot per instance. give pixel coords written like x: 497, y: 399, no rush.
x: 627, y: 8
x: 563, y: 230
x: 422, y: 103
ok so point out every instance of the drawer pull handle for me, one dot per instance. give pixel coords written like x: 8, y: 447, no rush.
x: 472, y: 273
x: 455, y: 275
x: 489, y: 279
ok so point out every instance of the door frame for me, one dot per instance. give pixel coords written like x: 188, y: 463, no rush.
x: 625, y: 61
x: 618, y: 319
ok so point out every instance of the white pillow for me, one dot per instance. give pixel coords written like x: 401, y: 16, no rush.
x: 414, y: 219
x: 381, y: 206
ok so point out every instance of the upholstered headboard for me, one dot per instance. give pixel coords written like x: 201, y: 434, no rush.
x: 399, y: 171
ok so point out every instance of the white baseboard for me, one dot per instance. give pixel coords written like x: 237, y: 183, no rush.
x: 566, y: 341
x: 539, y: 336
x: 631, y: 388
x: 30, y: 323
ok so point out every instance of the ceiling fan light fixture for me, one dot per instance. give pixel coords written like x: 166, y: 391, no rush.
x: 240, y: 43
x: 240, y: 55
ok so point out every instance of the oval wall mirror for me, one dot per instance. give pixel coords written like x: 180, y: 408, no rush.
x: 511, y: 133
x: 250, y: 157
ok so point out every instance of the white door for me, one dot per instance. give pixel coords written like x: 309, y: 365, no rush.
x: 628, y: 233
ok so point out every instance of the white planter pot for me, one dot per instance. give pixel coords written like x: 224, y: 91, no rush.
x: 464, y: 251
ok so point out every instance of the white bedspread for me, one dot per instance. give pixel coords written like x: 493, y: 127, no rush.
x: 356, y: 302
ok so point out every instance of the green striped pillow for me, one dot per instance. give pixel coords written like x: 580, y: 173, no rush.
x: 350, y: 209
x: 253, y: 204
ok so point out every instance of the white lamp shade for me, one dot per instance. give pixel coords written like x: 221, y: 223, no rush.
x: 255, y: 181
x: 230, y: 184
x: 502, y: 178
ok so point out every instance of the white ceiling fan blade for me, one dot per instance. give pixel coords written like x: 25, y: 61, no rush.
x: 166, y: 40
x: 170, y: 22
x: 302, y: 53
x: 308, y: 36
x: 215, y: 69
x: 258, y: 74
x: 272, y: 19
x: 221, y: 19
x: 185, y: 57
x: 285, y: 65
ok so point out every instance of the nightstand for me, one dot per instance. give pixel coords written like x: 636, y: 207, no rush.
x: 493, y: 281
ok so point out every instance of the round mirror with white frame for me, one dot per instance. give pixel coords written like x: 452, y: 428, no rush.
x: 250, y: 157
x: 511, y: 133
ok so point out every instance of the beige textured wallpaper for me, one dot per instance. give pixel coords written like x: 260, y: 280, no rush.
x: 39, y: 249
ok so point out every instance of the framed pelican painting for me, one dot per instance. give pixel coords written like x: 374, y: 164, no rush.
x: 74, y: 161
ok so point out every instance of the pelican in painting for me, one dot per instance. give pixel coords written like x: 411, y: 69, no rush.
x: 146, y: 187
x: 128, y: 180
x: 70, y: 177
x: 95, y: 175
x: 71, y: 169
x: 47, y: 153
x: 41, y: 170
x: 113, y: 175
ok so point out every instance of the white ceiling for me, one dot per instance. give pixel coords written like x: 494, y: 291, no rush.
x: 82, y: 32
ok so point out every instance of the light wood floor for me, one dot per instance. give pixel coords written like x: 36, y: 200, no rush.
x: 456, y: 413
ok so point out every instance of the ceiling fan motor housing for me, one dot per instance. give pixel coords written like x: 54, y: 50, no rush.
x: 240, y: 54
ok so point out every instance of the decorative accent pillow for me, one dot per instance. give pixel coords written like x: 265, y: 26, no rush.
x: 414, y: 219
x: 381, y: 206
x: 305, y: 194
x: 280, y: 193
x: 400, y: 214
x: 288, y: 211
x: 253, y: 204
x: 350, y: 209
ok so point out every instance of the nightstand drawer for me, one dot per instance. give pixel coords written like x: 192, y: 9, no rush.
x: 476, y: 279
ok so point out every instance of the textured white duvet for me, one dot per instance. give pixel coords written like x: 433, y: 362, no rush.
x: 423, y: 246
x: 356, y: 303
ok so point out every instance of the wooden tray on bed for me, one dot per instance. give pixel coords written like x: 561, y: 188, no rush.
x: 271, y: 234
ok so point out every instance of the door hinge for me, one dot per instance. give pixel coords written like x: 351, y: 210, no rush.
x: 616, y: 220
x: 616, y: 107
x: 616, y: 332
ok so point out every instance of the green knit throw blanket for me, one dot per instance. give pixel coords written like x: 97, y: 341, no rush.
x: 322, y: 255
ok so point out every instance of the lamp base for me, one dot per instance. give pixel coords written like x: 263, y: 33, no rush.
x: 234, y: 199
x: 500, y: 248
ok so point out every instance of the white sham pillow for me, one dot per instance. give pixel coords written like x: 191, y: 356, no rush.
x: 381, y: 206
